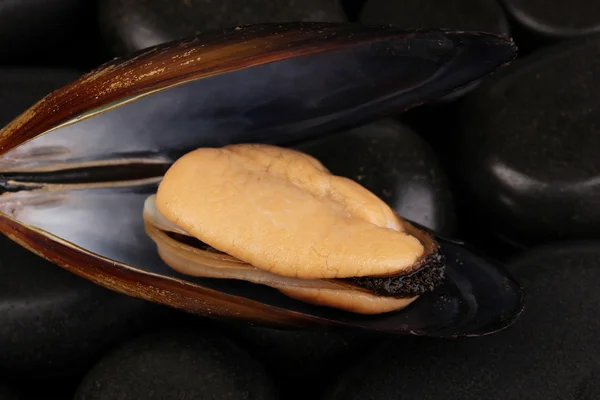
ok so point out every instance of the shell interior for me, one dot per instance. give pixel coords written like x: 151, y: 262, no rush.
x: 277, y: 98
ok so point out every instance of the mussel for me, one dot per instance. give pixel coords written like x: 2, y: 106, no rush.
x: 89, y: 178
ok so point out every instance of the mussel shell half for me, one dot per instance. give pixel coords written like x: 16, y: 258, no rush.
x: 274, y: 83
x: 77, y: 166
x: 98, y: 233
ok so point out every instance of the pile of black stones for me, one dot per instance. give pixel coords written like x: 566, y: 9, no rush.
x: 511, y: 166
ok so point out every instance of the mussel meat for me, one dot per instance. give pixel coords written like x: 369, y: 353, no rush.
x: 121, y: 177
x: 277, y: 217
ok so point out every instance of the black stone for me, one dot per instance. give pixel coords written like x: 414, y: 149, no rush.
x: 550, y: 353
x: 41, y: 32
x: 353, y: 8
x: 177, y: 365
x: 477, y: 15
x: 528, y: 147
x: 20, y: 88
x: 7, y: 394
x: 394, y: 163
x: 55, y: 389
x: 556, y: 19
x: 302, y: 361
x: 130, y: 25
x: 55, y: 323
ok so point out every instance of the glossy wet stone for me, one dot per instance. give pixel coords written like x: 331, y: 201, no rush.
x: 53, y: 322
x: 550, y: 353
x: 528, y: 147
x: 39, y: 32
x: 556, y: 19
x: 177, y: 365
x: 397, y: 165
x: 482, y: 15
x: 302, y: 361
x: 129, y: 25
x: 21, y: 87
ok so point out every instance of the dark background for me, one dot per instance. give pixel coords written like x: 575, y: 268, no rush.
x: 511, y: 165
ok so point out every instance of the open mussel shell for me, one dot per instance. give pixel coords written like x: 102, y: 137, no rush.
x: 76, y: 168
